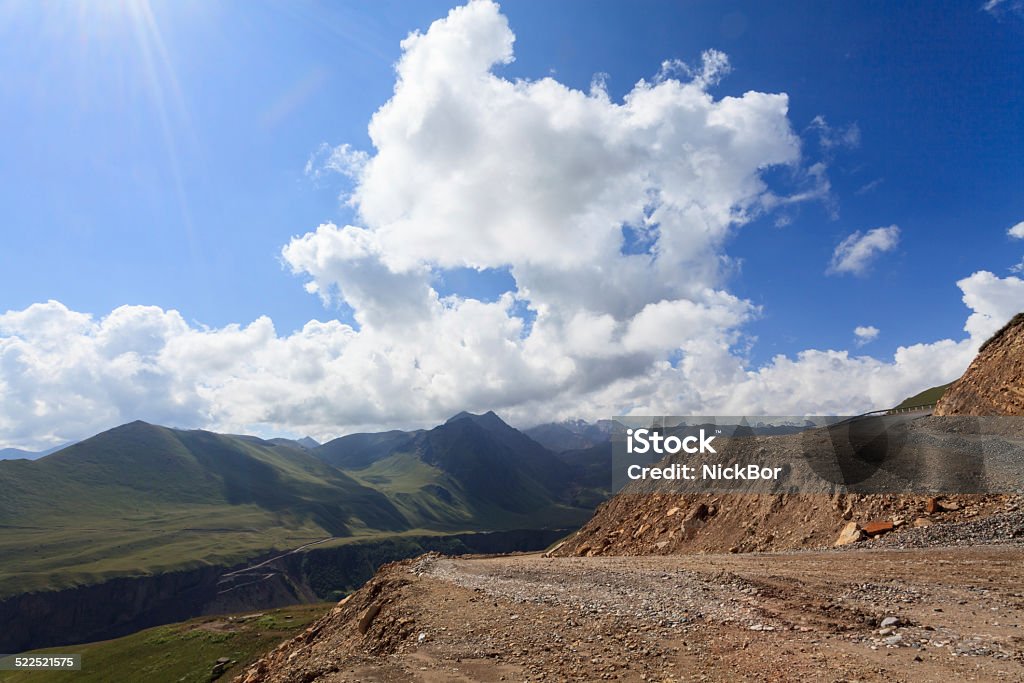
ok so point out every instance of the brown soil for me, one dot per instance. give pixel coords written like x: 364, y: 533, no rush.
x: 994, y: 382
x: 806, y: 616
x: 663, y: 524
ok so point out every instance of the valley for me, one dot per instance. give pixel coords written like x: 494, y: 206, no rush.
x: 322, y: 571
x: 142, y: 524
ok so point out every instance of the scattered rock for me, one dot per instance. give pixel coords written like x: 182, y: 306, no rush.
x: 555, y: 549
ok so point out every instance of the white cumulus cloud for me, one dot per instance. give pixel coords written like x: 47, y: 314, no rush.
x: 865, y: 333
x: 1017, y: 231
x: 858, y: 250
x: 470, y: 169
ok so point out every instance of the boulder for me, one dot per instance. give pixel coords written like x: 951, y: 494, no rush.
x: 851, y: 533
x: 369, y: 614
x: 877, y: 528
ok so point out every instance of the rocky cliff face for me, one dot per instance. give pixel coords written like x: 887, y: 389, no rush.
x: 106, y: 610
x: 994, y: 383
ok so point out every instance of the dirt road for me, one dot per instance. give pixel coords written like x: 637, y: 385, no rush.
x: 869, y: 615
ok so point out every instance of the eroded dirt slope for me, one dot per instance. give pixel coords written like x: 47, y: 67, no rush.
x: 663, y: 524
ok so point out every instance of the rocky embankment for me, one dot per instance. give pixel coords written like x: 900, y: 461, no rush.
x: 663, y: 524
x: 994, y: 382
x: 953, y: 450
x: 961, y: 453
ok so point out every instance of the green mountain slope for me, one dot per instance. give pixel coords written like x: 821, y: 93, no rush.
x: 357, y: 451
x: 141, y: 498
x: 926, y: 397
x: 185, y: 652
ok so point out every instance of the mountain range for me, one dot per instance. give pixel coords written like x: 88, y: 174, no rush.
x: 144, y: 499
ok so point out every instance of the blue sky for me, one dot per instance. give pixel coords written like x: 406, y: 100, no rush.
x: 127, y: 188
x: 155, y: 153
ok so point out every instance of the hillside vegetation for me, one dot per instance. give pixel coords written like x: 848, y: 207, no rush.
x: 925, y: 398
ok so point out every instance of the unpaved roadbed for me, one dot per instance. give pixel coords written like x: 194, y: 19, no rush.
x: 936, y: 614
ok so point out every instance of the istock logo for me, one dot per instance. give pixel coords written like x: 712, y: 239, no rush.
x: 645, y: 441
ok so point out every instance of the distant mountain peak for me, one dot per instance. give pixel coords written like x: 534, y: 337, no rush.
x: 464, y: 415
x: 134, y: 425
x: 488, y: 419
x: 308, y: 442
